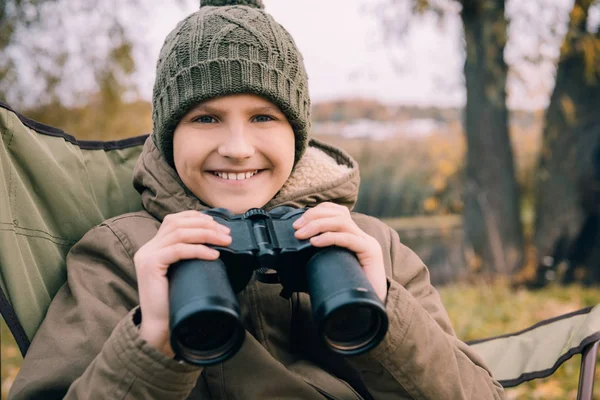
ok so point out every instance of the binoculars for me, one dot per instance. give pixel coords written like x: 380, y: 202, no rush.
x: 205, y: 323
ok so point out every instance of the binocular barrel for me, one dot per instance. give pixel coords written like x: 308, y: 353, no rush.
x: 204, y: 313
x: 205, y: 317
x: 350, y: 317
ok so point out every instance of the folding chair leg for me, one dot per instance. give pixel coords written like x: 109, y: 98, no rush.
x: 588, y: 369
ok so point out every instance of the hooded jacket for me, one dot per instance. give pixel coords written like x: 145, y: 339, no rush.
x: 88, y: 346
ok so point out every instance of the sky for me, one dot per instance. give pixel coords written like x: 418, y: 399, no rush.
x: 344, y: 54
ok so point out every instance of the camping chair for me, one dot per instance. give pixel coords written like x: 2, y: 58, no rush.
x: 55, y: 188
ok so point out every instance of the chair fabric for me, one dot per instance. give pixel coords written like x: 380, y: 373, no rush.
x: 54, y: 188
x: 538, y: 351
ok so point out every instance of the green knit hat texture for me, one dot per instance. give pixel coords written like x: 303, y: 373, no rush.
x: 228, y: 47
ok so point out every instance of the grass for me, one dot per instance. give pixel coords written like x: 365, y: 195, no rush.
x: 10, y: 357
x: 477, y: 311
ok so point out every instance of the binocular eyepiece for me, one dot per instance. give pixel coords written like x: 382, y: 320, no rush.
x: 204, y: 313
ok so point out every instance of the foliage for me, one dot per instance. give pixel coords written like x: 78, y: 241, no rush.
x: 10, y: 359
x: 404, y: 176
x: 350, y: 109
x: 99, y: 119
x: 583, y: 38
x: 47, y: 57
x: 344, y: 110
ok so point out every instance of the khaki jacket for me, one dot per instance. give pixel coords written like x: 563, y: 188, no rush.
x: 88, y: 346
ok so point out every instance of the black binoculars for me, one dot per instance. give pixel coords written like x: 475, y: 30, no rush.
x: 205, y: 322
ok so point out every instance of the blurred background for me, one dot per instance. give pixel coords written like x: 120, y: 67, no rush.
x: 476, y: 125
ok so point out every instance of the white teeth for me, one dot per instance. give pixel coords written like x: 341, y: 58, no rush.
x: 236, y: 176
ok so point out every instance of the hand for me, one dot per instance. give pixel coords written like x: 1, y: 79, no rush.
x: 181, y: 236
x: 330, y: 224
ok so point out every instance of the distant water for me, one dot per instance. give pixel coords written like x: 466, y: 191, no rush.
x: 378, y: 130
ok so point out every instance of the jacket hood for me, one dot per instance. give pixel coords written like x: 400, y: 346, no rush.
x: 325, y: 173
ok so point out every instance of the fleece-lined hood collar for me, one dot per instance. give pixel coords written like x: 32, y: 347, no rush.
x: 325, y: 173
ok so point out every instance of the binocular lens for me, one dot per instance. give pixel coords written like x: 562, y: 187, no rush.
x: 206, y: 337
x: 352, y: 328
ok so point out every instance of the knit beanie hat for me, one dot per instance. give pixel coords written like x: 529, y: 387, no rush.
x: 228, y: 47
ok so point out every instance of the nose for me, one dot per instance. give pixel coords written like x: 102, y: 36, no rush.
x: 236, y: 144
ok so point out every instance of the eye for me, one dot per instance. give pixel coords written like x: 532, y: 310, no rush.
x: 263, y: 118
x: 205, y: 119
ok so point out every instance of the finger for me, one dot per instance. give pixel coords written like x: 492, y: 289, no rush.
x: 320, y: 211
x: 329, y: 204
x: 174, y: 218
x: 197, y: 220
x: 367, y: 249
x: 336, y: 223
x: 349, y: 241
x: 172, y: 221
x: 184, y: 215
x: 197, y: 236
x: 185, y: 251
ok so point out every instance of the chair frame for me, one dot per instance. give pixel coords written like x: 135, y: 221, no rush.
x: 589, y: 355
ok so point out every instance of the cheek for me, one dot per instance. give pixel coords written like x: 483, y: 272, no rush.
x: 187, y: 153
x: 180, y: 137
x: 286, y: 146
x: 180, y: 157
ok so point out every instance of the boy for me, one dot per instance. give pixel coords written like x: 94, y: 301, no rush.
x: 231, y: 122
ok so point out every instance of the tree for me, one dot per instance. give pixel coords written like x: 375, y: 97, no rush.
x: 14, y: 15
x: 49, y: 49
x: 491, y: 213
x: 70, y: 64
x: 568, y: 181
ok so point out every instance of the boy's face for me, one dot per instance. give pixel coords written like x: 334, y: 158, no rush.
x: 234, y: 151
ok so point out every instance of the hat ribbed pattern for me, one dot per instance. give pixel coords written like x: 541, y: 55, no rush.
x: 226, y: 50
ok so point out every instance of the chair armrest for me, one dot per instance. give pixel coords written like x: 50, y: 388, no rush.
x: 538, y: 351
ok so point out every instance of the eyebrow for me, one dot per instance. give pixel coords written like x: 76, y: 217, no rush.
x: 213, y: 110
x: 205, y: 108
x: 266, y: 109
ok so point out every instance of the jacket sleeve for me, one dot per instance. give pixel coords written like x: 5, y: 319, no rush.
x: 88, y: 346
x: 420, y: 355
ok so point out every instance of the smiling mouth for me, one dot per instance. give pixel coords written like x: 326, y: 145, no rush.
x: 236, y: 176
